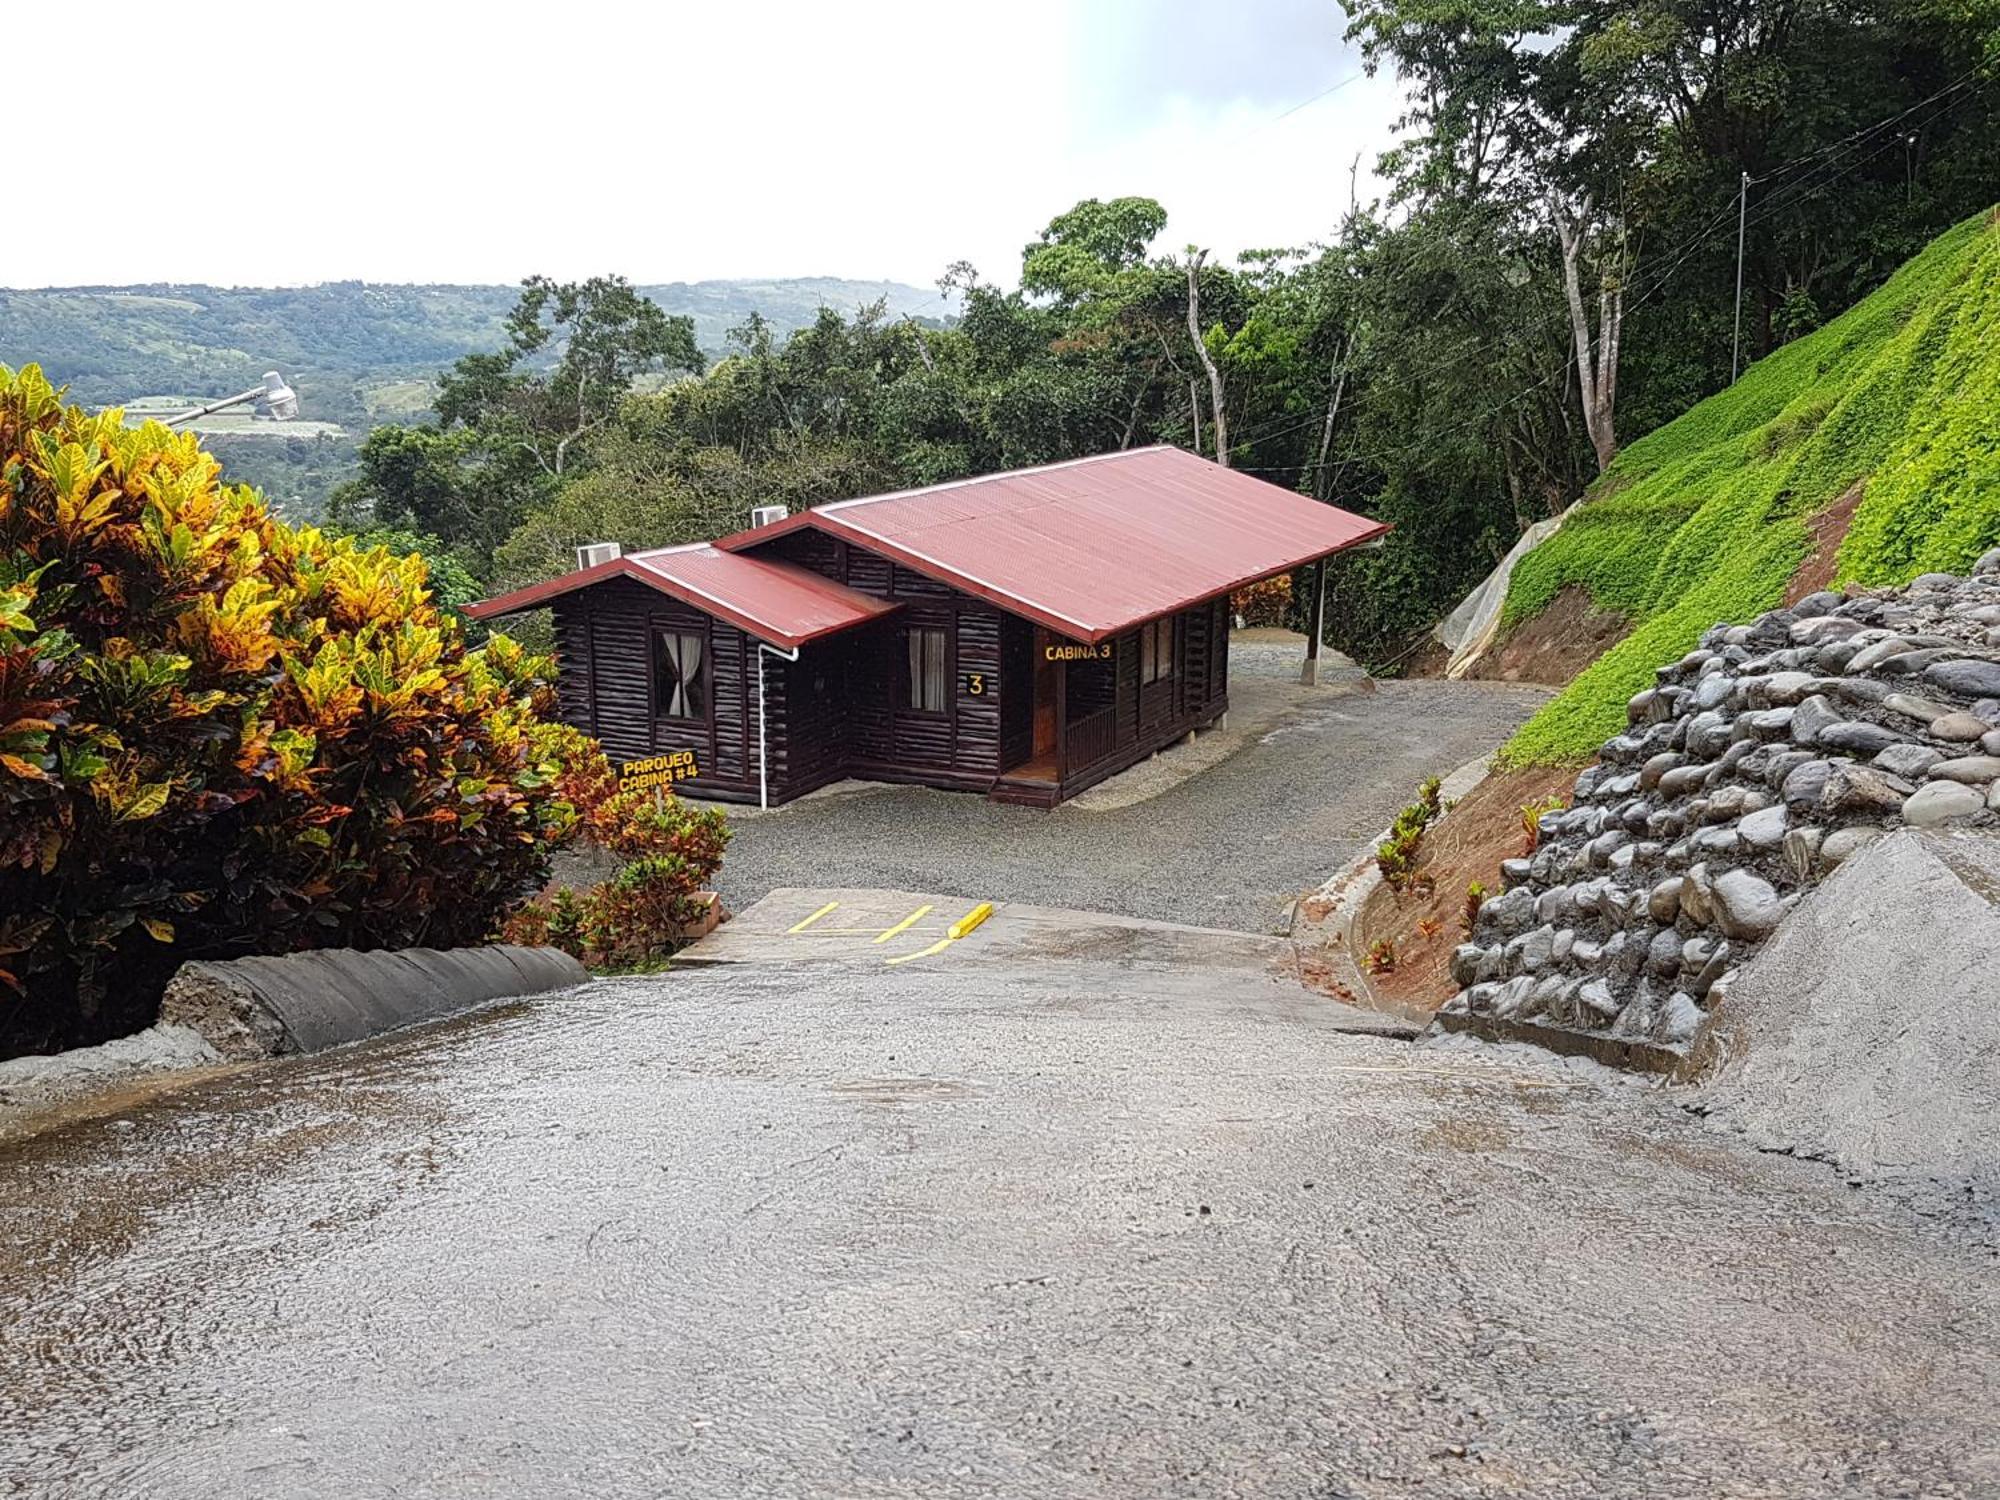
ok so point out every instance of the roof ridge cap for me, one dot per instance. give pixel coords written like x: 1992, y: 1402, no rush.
x: 971, y: 479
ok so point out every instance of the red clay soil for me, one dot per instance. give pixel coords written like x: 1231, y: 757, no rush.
x: 1828, y: 530
x: 1556, y: 644
x: 1467, y: 844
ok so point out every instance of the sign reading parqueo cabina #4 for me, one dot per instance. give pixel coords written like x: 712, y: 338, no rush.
x: 657, y: 770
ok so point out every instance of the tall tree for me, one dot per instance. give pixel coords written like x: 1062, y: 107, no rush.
x: 1218, y: 405
x: 1596, y: 357
x: 603, y: 335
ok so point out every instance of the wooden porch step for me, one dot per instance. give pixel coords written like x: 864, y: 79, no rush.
x: 1023, y: 791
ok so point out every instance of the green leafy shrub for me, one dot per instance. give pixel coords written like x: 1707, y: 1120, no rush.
x: 1396, y: 855
x: 1468, y: 911
x: 221, y: 736
x: 1531, y: 819
x: 643, y: 911
x: 1704, y: 520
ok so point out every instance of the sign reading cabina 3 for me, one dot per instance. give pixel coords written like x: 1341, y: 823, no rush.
x: 1079, y: 651
x: 657, y: 770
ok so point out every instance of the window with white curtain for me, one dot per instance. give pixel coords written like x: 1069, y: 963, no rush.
x: 680, y: 674
x: 930, y: 675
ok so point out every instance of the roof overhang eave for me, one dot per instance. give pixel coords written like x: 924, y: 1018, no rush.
x: 535, y: 596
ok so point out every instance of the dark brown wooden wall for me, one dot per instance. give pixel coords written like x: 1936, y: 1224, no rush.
x: 605, y: 687
x: 961, y: 746
x: 1017, y: 690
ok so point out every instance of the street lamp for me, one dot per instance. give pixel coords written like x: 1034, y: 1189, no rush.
x: 274, y: 399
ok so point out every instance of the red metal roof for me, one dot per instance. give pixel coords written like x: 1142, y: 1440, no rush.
x: 775, y: 601
x: 1094, y: 546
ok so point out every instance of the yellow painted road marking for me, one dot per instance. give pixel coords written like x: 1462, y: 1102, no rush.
x: 903, y: 926
x: 971, y: 920
x: 938, y: 947
x: 957, y: 930
x: 802, y: 926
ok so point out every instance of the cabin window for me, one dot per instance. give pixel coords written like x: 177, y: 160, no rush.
x: 1156, y: 650
x: 680, y: 675
x: 930, y: 676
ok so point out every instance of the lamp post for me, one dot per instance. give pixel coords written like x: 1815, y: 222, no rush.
x: 277, y: 400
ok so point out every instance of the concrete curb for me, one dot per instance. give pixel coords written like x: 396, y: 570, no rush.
x: 251, y: 1008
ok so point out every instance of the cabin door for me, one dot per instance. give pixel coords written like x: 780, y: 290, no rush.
x: 1045, y: 695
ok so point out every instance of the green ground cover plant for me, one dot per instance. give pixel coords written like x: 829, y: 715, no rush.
x: 1704, y: 519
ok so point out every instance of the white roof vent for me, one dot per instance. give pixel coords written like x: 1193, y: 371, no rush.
x: 766, y: 515
x: 597, y: 552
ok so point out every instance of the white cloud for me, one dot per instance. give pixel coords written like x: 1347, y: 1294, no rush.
x: 432, y: 141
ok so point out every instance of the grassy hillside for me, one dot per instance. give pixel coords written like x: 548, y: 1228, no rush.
x: 1705, y: 518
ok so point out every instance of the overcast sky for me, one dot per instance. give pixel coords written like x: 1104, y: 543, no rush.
x: 283, y: 142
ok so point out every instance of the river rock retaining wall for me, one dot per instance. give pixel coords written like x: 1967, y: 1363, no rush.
x: 1757, y: 764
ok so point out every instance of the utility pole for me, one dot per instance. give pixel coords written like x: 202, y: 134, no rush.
x: 1742, y: 213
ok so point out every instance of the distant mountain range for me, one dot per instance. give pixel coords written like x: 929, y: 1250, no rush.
x: 357, y: 353
x: 353, y: 350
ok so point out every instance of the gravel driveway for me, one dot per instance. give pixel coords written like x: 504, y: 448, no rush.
x: 1228, y: 848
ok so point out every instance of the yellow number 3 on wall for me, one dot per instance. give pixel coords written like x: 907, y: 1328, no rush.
x: 975, y: 684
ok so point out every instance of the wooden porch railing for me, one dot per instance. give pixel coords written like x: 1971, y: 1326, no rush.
x: 1090, y: 739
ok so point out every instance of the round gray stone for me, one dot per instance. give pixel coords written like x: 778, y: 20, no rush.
x: 1859, y: 737
x: 1911, y: 707
x: 1805, y: 782
x: 1746, y: 905
x: 1842, y: 843
x: 1861, y: 789
x: 1663, y: 903
x: 1973, y: 770
x: 1810, y: 717
x: 1764, y: 829
x: 1958, y: 728
x: 1909, y: 760
x: 1967, y: 677
x: 1941, y: 802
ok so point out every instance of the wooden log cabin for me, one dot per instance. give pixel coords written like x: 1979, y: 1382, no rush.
x: 1023, y: 635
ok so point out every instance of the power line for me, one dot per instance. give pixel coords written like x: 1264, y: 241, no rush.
x: 1521, y: 395
x: 1812, y: 182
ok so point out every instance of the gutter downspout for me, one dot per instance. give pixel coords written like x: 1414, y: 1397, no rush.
x: 763, y: 746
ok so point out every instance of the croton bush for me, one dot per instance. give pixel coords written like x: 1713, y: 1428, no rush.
x: 642, y: 912
x: 220, y: 735
x: 1266, y: 602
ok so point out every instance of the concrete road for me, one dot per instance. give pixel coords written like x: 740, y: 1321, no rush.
x: 1082, y: 1211
x: 1322, y: 772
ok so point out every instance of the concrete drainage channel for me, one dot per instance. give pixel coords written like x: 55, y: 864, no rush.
x: 251, y: 1008
x: 248, y: 1009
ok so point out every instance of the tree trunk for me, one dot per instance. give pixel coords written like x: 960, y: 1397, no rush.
x: 1320, y: 476
x: 1221, y: 422
x: 1596, y: 367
